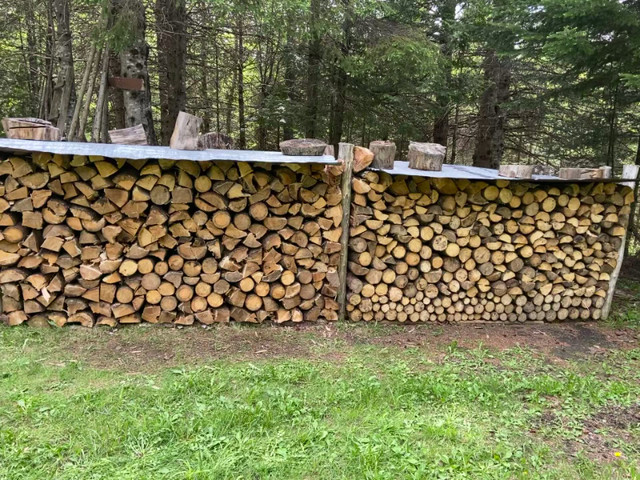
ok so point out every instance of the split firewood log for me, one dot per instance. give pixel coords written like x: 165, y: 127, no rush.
x: 432, y: 249
x: 101, y: 241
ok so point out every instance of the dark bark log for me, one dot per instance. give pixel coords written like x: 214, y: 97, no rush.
x: 101, y: 104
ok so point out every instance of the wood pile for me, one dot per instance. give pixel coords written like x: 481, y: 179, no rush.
x: 431, y: 249
x: 99, y: 241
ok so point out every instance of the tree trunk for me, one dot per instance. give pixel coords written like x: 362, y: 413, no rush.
x: 314, y: 57
x: 290, y: 85
x: 64, y: 87
x: 341, y: 79
x: 231, y: 95
x: 115, y: 95
x: 447, y: 11
x: 33, y: 59
x: 633, y: 216
x: 242, y: 126
x: 204, y: 85
x: 492, y: 116
x: 454, y: 138
x: 101, y: 103
x: 82, y: 124
x: 133, y: 64
x: 171, y: 16
x: 217, y: 77
x: 86, y: 77
x: 612, y: 121
x: 45, y: 95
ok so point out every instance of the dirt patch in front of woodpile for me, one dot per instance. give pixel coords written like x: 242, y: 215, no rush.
x: 142, y: 349
x: 605, y: 434
x: 562, y: 341
x: 148, y: 348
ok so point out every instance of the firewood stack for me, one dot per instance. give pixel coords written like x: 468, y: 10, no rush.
x: 98, y: 241
x: 431, y: 249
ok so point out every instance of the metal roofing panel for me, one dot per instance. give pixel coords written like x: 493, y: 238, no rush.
x: 140, y: 152
x: 476, y: 173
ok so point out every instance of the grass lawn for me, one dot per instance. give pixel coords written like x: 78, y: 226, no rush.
x: 323, y: 402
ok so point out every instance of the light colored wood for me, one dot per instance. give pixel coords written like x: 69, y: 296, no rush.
x: 431, y: 249
x: 345, y: 153
x: 30, y: 129
x: 185, y: 132
x: 129, y: 136
x: 384, y: 153
x: 516, y: 171
x: 303, y: 146
x: 580, y: 173
x: 426, y: 156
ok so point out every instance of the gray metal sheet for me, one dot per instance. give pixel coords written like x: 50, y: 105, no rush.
x: 476, y: 173
x: 138, y: 152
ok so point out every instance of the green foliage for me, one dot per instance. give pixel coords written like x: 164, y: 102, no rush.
x: 575, y: 68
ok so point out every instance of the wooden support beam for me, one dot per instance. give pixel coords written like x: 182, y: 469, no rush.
x: 629, y: 172
x: 345, y: 154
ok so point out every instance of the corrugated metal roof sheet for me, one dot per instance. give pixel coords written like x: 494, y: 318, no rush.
x: 475, y: 173
x: 140, y: 152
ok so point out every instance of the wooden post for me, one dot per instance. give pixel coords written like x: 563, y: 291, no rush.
x: 345, y: 153
x: 629, y: 172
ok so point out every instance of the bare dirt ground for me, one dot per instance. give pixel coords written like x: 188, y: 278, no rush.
x: 147, y: 348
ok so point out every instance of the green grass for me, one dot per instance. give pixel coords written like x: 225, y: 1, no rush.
x: 372, y: 412
x: 626, y: 305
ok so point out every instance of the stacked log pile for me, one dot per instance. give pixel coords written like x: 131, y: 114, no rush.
x: 430, y: 249
x: 99, y: 241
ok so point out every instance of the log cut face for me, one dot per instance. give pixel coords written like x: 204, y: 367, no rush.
x: 429, y: 249
x: 100, y: 241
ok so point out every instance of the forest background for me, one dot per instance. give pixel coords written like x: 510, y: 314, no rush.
x: 551, y: 82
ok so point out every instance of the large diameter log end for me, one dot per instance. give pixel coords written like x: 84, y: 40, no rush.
x: 426, y: 156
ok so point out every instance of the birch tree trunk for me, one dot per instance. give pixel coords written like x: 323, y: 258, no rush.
x: 133, y: 64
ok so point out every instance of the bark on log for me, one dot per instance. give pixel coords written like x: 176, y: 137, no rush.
x: 426, y: 156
